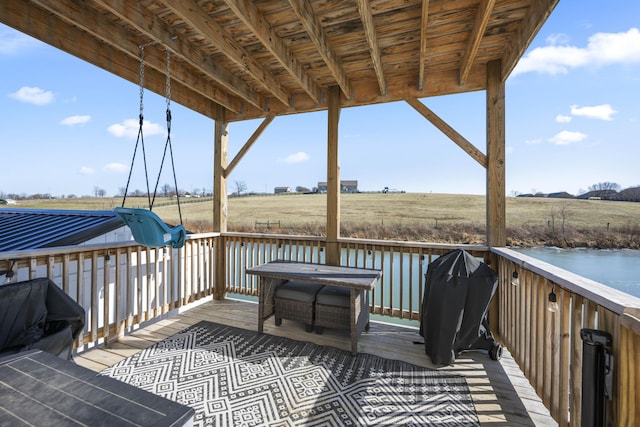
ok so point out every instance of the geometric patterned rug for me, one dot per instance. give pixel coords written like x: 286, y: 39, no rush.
x: 236, y: 377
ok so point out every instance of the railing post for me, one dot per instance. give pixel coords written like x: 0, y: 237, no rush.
x: 220, y: 275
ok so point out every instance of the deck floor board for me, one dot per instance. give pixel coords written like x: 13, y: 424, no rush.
x: 501, y: 393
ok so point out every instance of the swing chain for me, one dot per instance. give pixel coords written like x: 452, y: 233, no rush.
x: 168, y: 82
x: 141, y: 78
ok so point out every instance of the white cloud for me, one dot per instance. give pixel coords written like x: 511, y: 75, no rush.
x: 298, y: 157
x: 602, y: 112
x: 75, y: 120
x: 33, y: 95
x: 563, y: 119
x: 558, y: 38
x: 129, y: 128
x: 115, y: 167
x: 567, y: 137
x: 84, y: 170
x: 601, y: 49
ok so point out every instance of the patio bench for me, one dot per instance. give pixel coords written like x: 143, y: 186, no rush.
x: 333, y: 309
x: 295, y: 300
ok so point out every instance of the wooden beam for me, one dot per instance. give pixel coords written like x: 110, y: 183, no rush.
x: 399, y: 89
x: 496, y: 140
x: 249, y: 14
x: 197, y: 18
x: 479, y: 27
x: 36, y: 22
x: 245, y: 148
x: 141, y: 18
x: 535, y: 17
x: 424, y: 25
x: 469, y: 148
x: 364, y: 7
x: 333, y: 179
x: 316, y: 33
x: 220, y: 159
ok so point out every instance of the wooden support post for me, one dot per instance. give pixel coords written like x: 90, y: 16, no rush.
x: 496, y: 217
x: 221, y: 158
x: 333, y: 178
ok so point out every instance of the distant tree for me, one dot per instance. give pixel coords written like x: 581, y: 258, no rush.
x: 99, y: 192
x: 240, y: 186
x: 167, y: 190
x: 605, y: 186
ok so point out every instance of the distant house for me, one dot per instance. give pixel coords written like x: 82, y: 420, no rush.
x: 346, y: 186
x: 281, y: 190
x: 561, y: 195
x: 23, y: 229
x: 600, y: 194
x: 629, y: 195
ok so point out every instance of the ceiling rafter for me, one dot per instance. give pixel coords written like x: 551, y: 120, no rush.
x: 148, y: 24
x: 39, y: 24
x: 249, y: 14
x: 370, y: 33
x: 195, y: 17
x: 479, y: 27
x: 316, y: 33
x: 536, y: 15
x: 424, y: 25
x: 98, y: 26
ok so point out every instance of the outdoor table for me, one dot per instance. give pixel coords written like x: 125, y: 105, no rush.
x: 274, y: 273
x: 38, y: 388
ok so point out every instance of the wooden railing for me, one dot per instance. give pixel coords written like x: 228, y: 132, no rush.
x: 548, y: 346
x: 399, y: 292
x: 122, y: 286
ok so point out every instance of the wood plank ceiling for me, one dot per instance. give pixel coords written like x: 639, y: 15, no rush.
x: 271, y: 57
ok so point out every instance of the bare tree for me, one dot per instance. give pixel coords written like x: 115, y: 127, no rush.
x: 605, y: 186
x: 99, y: 192
x: 167, y: 190
x: 240, y: 186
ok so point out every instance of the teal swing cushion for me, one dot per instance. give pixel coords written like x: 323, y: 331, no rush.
x: 149, y: 230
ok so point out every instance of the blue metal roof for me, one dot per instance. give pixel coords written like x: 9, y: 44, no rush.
x: 39, y: 228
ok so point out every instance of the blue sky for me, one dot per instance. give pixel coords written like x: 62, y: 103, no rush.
x: 573, y: 120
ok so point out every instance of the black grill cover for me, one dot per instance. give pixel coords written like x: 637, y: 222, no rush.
x: 37, y: 314
x: 458, y: 289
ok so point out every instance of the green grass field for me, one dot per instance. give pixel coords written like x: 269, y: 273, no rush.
x: 441, y: 217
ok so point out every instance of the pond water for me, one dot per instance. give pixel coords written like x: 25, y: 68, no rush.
x: 619, y: 269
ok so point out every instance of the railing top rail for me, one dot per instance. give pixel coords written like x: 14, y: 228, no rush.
x: 273, y: 236
x: 399, y: 243
x: 612, y: 299
x: 63, y: 250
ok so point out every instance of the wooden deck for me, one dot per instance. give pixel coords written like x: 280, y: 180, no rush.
x: 502, y: 395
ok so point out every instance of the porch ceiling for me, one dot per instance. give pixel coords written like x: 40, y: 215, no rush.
x: 264, y: 57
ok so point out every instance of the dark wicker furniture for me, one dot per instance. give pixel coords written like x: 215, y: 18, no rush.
x: 294, y: 300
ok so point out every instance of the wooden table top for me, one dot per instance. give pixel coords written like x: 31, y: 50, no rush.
x: 358, y: 278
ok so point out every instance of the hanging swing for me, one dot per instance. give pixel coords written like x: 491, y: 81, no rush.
x: 148, y: 228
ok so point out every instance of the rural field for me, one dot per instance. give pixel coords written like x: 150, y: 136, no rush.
x: 449, y: 218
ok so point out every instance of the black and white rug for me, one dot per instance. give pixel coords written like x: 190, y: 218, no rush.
x: 235, y: 377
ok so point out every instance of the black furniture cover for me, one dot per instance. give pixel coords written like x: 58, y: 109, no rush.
x: 37, y: 314
x: 457, y: 293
